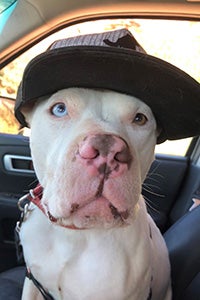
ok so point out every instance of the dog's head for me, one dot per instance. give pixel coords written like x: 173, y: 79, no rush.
x: 92, y: 148
x: 91, y: 151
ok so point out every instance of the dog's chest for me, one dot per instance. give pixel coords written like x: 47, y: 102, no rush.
x: 88, y: 264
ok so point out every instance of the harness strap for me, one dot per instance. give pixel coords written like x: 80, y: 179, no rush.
x: 46, y: 295
x: 35, y: 196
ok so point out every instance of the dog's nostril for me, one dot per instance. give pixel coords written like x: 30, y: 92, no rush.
x: 104, y: 148
x: 123, y: 156
x: 88, y: 152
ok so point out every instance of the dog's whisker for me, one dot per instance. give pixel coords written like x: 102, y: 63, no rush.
x: 155, y: 194
x: 152, y: 173
x: 152, y: 205
x: 32, y: 184
x: 150, y: 179
x: 151, y: 186
x: 155, y: 167
x: 154, y: 177
x: 150, y: 189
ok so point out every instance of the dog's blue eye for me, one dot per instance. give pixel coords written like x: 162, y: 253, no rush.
x: 59, y: 110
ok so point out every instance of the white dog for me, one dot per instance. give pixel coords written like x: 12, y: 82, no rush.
x: 92, y: 237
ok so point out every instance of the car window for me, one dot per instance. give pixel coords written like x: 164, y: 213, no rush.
x: 160, y: 38
x: 8, y: 123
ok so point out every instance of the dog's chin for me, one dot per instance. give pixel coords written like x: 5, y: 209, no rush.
x: 92, y: 223
x: 99, y: 213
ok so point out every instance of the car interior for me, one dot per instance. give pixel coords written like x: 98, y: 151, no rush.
x: 172, y: 187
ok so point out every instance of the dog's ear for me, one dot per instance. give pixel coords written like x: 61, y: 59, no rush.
x: 27, y: 111
x: 158, y: 131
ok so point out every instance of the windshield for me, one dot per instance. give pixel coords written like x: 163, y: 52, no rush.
x: 177, y: 42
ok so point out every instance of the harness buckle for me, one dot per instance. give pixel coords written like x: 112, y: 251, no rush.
x: 22, y: 202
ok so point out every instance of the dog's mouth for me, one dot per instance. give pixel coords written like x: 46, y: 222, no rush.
x: 99, y: 210
x: 93, y: 214
x: 59, y: 221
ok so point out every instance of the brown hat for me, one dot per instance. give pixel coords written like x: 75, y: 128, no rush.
x: 114, y: 60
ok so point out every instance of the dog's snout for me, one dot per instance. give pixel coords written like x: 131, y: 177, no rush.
x: 104, y: 146
x: 104, y: 153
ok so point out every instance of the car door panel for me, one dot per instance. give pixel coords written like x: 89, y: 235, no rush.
x: 16, y: 178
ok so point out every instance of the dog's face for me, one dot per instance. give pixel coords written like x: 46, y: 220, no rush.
x: 91, y: 151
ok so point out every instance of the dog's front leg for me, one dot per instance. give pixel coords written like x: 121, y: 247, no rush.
x: 30, y: 292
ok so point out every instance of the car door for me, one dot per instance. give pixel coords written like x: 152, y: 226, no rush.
x: 16, y: 178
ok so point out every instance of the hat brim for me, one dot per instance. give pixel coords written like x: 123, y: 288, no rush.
x: 172, y: 95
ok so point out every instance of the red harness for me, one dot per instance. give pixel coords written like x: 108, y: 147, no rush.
x: 35, y: 196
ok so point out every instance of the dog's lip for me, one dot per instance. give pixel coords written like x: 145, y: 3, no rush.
x: 56, y: 220
x: 115, y: 213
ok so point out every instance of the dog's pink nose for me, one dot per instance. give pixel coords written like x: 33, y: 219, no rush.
x: 105, y: 154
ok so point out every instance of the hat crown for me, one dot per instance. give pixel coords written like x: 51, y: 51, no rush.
x: 121, y: 38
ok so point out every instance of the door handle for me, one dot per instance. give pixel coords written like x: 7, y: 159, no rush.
x: 18, y: 164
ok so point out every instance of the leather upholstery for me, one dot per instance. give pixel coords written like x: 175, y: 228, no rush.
x: 183, y: 242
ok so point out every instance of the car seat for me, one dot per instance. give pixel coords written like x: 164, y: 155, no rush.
x: 183, y: 242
